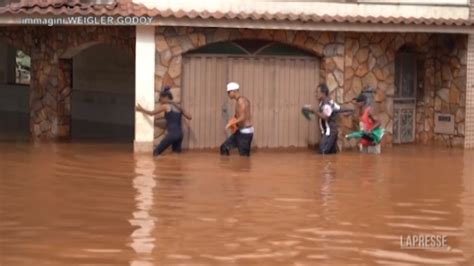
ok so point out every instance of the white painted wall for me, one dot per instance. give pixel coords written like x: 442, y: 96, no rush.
x: 103, y: 86
x: 453, y: 9
x: 144, y: 86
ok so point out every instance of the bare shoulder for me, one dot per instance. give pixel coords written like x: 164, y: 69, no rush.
x: 166, y: 107
x: 243, y: 100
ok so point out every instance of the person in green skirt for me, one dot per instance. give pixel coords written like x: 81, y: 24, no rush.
x: 371, y: 132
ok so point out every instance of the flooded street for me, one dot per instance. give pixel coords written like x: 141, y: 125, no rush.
x: 99, y: 204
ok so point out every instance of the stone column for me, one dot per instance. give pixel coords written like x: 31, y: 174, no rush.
x: 144, y: 87
x: 64, y: 98
x: 469, y: 127
x: 44, y: 96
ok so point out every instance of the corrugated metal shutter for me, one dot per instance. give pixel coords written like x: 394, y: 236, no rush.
x: 277, y: 87
x: 469, y: 128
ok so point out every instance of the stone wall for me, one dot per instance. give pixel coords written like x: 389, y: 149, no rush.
x: 441, y: 60
x: 450, y: 96
x: 442, y: 88
x: 370, y: 61
x: 50, y: 50
x: 351, y: 61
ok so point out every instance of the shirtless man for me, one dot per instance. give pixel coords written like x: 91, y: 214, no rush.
x: 242, y: 138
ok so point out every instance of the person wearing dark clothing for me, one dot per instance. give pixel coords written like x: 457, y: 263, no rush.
x: 237, y: 140
x: 327, y: 113
x: 328, y: 128
x: 173, y: 114
x: 174, y: 137
x: 242, y: 137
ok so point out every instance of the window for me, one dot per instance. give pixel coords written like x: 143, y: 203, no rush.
x: 251, y: 48
x: 22, y: 69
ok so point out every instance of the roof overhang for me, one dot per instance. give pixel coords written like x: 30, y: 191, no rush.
x: 313, y: 26
x: 239, y: 23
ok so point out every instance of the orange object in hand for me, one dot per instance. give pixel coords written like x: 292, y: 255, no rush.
x: 233, y: 128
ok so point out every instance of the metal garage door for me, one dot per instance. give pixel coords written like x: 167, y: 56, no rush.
x: 277, y: 87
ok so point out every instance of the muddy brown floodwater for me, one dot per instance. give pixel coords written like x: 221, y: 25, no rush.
x: 99, y: 204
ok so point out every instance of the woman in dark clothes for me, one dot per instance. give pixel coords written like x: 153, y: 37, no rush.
x: 173, y: 114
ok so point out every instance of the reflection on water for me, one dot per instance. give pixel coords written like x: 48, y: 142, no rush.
x: 143, y: 241
x: 90, y: 204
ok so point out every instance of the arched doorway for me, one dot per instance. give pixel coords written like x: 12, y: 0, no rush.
x: 278, y: 79
x: 404, y: 101
x: 103, y: 94
x: 15, y: 77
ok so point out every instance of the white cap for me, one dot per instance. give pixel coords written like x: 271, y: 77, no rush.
x: 232, y: 86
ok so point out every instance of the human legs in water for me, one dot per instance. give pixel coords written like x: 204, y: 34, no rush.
x: 242, y: 141
x: 173, y: 140
x: 328, y: 144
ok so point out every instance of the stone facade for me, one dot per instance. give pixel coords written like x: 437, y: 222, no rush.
x: 450, y: 89
x: 50, y: 50
x: 350, y: 61
x: 370, y: 61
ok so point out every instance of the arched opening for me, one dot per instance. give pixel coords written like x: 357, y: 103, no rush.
x: 404, y: 101
x: 251, y: 47
x: 15, y: 66
x: 277, y: 79
x: 103, y: 94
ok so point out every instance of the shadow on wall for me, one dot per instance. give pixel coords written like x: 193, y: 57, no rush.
x: 103, y: 94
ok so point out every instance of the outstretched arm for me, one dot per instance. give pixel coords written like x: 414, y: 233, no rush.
x: 310, y: 108
x: 160, y: 109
